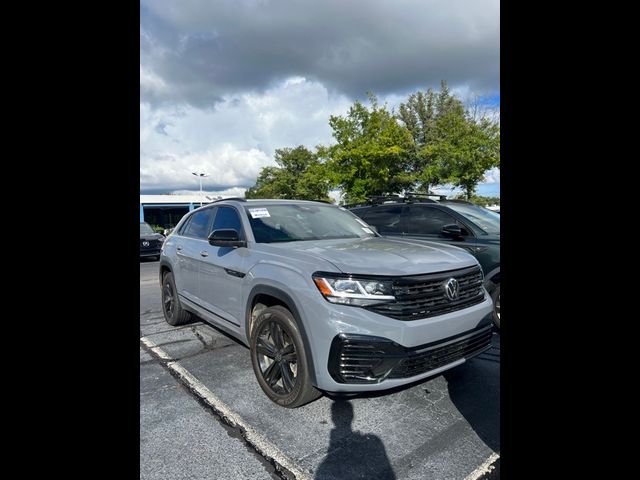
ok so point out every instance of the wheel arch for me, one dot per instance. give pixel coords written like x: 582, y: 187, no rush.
x: 492, y: 279
x: 273, y: 296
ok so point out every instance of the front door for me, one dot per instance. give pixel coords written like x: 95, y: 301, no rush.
x: 222, y: 271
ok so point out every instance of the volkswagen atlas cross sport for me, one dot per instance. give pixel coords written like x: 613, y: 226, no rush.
x: 322, y: 301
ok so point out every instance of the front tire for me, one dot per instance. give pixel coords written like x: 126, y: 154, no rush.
x: 495, y: 296
x: 279, y: 358
x: 172, y: 309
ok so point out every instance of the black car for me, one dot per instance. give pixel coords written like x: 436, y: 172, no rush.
x: 150, y: 241
x: 455, y: 222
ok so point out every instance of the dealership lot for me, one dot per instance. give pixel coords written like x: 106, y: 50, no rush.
x: 196, y: 380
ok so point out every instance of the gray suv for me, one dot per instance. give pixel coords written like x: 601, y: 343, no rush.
x: 322, y: 301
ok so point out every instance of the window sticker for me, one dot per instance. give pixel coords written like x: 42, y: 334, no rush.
x: 259, y: 212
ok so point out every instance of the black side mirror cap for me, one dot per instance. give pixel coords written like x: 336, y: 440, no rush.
x: 226, y: 237
x: 452, y: 230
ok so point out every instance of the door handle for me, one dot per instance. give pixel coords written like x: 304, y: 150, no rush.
x: 204, y: 253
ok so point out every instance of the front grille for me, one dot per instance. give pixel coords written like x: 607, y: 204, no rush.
x: 439, y: 355
x: 367, y: 359
x: 153, y: 245
x: 424, y: 296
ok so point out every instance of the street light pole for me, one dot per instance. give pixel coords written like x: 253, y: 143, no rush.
x: 200, y: 175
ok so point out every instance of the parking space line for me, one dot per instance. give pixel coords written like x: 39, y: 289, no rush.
x: 258, y: 441
x: 486, y: 467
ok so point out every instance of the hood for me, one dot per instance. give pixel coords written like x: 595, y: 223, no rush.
x: 384, y: 256
x: 151, y: 236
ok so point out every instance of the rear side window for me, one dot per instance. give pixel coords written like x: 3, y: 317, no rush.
x: 227, y: 217
x: 427, y: 220
x: 387, y: 219
x: 198, y: 224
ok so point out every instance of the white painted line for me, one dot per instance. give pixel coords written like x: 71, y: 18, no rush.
x: 155, y: 349
x: 486, y: 467
x: 255, y: 438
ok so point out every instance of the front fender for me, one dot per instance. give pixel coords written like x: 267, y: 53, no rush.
x: 291, y: 288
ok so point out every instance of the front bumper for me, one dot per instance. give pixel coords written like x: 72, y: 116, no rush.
x: 364, y: 359
x: 325, y: 321
x: 152, y: 252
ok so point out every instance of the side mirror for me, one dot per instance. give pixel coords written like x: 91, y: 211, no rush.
x: 452, y: 230
x: 226, y: 237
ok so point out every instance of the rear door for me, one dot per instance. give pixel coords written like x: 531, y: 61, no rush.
x: 222, y: 270
x: 189, y: 247
x: 388, y: 219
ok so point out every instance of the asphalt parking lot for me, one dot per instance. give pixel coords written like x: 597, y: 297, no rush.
x: 203, y: 415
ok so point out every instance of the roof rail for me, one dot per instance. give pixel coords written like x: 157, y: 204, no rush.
x: 417, y: 194
x: 239, y: 199
x: 408, y: 197
x: 458, y: 200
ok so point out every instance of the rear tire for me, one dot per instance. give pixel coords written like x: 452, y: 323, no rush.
x: 495, y: 296
x: 172, y: 309
x: 279, y: 359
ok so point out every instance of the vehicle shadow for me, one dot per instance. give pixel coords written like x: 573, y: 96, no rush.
x: 352, y: 454
x: 474, y: 389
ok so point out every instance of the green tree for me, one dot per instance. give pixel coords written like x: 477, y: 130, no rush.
x: 299, y: 175
x: 372, y: 152
x: 479, y: 199
x: 450, y: 144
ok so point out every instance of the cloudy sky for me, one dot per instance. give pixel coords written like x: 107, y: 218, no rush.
x: 224, y: 83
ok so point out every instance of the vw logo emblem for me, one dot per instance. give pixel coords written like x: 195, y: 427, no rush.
x: 145, y: 243
x: 451, y: 289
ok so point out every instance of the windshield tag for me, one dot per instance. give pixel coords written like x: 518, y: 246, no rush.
x: 259, y: 212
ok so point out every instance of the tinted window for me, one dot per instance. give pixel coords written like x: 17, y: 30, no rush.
x: 183, y: 227
x: 198, y: 224
x: 387, y: 220
x: 227, y: 217
x: 427, y: 220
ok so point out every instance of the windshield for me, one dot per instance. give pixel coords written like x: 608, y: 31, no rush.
x: 484, y: 218
x: 145, y: 229
x: 294, y: 222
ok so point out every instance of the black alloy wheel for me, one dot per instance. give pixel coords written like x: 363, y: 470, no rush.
x: 277, y: 357
x: 172, y: 309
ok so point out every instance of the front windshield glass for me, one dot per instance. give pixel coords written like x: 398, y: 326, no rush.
x: 145, y: 229
x: 295, y: 222
x: 484, y: 218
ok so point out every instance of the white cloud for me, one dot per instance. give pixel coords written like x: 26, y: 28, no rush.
x: 492, y: 176
x: 236, y: 138
x: 151, y: 82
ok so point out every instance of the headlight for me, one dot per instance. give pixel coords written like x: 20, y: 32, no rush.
x: 354, y: 291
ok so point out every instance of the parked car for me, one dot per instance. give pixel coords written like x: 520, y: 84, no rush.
x: 322, y: 301
x: 150, y: 241
x: 455, y: 222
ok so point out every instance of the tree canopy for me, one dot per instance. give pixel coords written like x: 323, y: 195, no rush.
x: 431, y: 140
x: 299, y: 175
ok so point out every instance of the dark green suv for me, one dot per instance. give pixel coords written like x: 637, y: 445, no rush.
x: 456, y: 222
